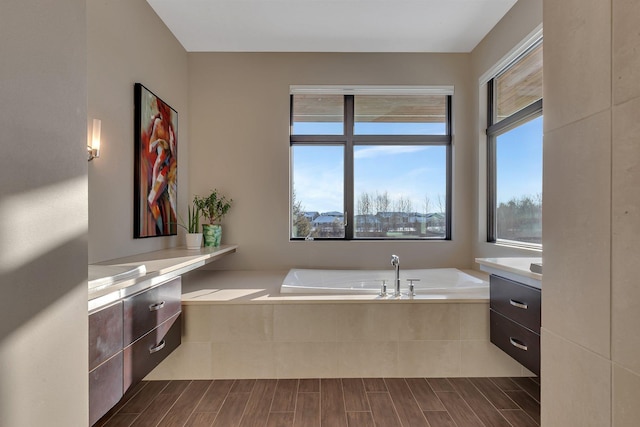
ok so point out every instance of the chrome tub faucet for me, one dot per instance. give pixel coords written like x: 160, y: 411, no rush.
x: 395, y: 262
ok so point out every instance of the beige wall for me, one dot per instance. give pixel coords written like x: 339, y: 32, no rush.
x: 524, y: 18
x: 127, y: 43
x: 590, y: 341
x: 43, y: 214
x: 239, y: 104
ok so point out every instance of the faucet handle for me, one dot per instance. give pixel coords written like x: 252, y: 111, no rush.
x: 411, y: 287
x: 383, y: 289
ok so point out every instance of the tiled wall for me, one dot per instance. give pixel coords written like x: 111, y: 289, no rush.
x: 336, y: 340
x: 590, y: 320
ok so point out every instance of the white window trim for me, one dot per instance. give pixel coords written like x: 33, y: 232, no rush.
x: 369, y: 90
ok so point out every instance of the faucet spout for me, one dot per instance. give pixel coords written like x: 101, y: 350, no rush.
x: 395, y: 262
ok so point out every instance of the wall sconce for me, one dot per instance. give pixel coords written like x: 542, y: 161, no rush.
x: 93, y: 150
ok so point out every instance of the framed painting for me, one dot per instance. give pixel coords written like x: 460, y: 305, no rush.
x: 156, y: 165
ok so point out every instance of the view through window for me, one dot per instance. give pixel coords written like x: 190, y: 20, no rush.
x: 378, y: 170
x: 515, y: 152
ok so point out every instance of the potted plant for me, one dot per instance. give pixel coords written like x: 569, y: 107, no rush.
x: 213, y: 207
x: 193, y: 236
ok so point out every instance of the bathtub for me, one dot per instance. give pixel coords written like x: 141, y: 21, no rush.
x: 431, y: 281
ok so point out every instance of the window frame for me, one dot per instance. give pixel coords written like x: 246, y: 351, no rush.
x: 493, y: 131
x: 349, y: 141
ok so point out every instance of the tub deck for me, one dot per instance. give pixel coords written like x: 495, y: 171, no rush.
x: 263, y: 287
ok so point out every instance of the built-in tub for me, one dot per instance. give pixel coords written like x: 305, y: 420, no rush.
x: 429, y: 281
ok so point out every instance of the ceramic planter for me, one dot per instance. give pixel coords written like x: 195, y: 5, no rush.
x: 194, y: 240
x: 212, y: 234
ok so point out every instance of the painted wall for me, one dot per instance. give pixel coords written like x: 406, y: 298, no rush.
x: 521, y: 20
x: 127, y: 43
x: 43, y: 214
x: 590, y: 341
x: 239, y: 105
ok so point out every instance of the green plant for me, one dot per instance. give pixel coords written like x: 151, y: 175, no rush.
x: 193, y: 217
x: 214, y: 207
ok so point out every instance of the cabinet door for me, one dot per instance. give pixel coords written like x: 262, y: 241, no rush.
x: 105, y: 334
x: 516, y: 301
x: 105, y: 387
x: 145, y: 311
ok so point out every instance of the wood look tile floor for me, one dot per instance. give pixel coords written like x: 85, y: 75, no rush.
x: 430, y: 402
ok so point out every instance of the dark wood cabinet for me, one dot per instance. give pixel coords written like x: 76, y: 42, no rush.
x: 128, y: 339
x: 515, y: 314
x: 145, y: 311
x: 105, y: 360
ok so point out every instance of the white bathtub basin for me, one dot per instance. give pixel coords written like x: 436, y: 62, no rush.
x: 106, y: 275
x: 433, y: 280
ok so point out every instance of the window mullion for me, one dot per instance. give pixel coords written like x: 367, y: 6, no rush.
x: 348, y: 167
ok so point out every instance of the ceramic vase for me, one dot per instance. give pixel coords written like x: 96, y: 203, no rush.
x: 212, y: 234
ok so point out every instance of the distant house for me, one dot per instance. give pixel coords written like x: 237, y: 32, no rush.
x: 311, y: 215
x: 329, y: 224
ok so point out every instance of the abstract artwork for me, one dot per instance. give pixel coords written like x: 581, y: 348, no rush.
x: 156, y: 165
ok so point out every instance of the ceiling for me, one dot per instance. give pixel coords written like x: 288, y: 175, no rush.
x: 330, y: 25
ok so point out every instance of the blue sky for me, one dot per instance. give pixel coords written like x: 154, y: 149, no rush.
x: 413, y: 172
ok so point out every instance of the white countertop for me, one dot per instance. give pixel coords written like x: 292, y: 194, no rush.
x: 159, y: 266
x: 516, y: 268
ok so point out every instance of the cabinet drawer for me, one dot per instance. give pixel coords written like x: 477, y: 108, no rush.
x: 105, y: 387
x: 516, y: 301
x: 145, y: 311
x: 517, y: 341
x: 145, y: 354
x: 105, y: 334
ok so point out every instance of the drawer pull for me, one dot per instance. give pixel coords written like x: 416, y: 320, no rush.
x: 518, y: 304
x: 517, y: 344
x: 157, y: 306
x: 158, y: 347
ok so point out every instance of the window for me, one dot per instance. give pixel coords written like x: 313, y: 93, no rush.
x: 514, y: 151
x: 370, y: 165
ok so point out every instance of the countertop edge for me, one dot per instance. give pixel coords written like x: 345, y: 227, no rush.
x: 514, y: 266
x: 167, y: 264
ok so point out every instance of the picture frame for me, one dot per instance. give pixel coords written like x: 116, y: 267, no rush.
x: 155, y: 165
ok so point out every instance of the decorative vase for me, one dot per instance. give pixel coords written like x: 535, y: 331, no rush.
x: 212, y: 234
x: 194, y: 240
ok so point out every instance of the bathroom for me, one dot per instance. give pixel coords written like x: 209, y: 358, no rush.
x: 590, y: 346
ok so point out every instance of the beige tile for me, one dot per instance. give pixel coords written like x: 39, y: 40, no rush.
x: 306, y: 360
x: 625, y: 292
x: 577, y: 60
x: 242, y: 360
x: 474, y: 321
x: 368, y: 322
x: 241, y: 322
x: 367, y: 359
x: 576, y: 385
x: 626, y: 395
x: 626, y: 55
x: 304, y: 322
x: 576, y: 288
x: 191, y: 360
x: 196, y: 323
x: 430, y: 322
x: 429, y: 358
x: 480, y: 358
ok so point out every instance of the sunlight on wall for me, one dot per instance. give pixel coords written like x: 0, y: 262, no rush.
x: 34, y: 223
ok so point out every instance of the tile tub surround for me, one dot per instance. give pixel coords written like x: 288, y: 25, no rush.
x: 238, y: 326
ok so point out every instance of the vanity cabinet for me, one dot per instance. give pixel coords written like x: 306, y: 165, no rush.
x: 515, y: 318
x: 152, y: 329
x: 128, y: 339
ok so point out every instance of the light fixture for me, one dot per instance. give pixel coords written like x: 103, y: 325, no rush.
x: 93, y: 150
